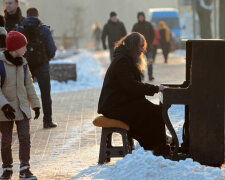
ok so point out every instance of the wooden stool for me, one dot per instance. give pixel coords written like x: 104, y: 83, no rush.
x: 110, y: 126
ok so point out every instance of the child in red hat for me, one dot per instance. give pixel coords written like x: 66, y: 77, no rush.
x: 17, y: 93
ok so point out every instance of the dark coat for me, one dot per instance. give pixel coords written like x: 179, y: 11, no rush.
x: 147, y: 30
x: 115, y: 31
x: 123, y: 98
x: 13, y: 21
x: 45, y: 34
x: 165, y: 45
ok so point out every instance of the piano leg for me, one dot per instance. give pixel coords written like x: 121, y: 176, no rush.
x: 166, y: 119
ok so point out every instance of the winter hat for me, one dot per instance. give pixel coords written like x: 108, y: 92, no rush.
x: 15, y: 40
x: 113, y: 14
x: 141, y: 14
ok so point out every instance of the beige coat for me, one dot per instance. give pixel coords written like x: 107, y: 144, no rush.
x: 15, y: 93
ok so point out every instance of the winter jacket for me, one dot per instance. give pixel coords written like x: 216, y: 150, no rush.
x: 3, y: 34
x: 157, y: 37
x: 19, y: 94
x: 13, y: 21
x: 122, y: 84
x: 45, y: 33
x: 146, y: 29
x: 115, y: 31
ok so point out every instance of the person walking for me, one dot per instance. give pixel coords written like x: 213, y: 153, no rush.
x: 97, y: 33
x: 123, y: 95
x: 38, y: 56
x: 3, y: 33
x: 155, y: 43
x: 17, y: 94
x: 114, y: 30
x: 165, y: 39
x: 146, y: 29
x: 13, y: 15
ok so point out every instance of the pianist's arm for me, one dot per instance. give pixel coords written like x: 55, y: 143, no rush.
x: 127, y: 79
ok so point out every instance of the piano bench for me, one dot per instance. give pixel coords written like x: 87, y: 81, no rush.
x: 110, y: 126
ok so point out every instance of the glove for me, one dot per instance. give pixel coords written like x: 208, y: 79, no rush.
x: 104, y: 47
x: 8, y: 112
x: 37, y: 112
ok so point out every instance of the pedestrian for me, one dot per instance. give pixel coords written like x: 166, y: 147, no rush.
x: 13, y: 15
x: 123, y: 95
x: 146, y: 29
x: 97, y: 33
x: 114, y: 29
x: 17, y: 94
x: 38, y: 56
x: 3, y: 33
x: 165, y: 39
x: 155, y: 43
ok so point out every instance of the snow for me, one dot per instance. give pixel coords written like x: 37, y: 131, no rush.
x: 143, y: 164
x: 89, y: 73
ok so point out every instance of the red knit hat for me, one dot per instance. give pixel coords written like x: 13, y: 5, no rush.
x: 15, y: 40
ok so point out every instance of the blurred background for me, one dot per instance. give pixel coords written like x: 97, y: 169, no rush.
x: 72, y: 20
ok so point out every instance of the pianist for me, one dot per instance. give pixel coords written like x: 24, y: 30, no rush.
x: 123, y: 95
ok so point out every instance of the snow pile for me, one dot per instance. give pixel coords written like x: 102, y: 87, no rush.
x: 89, y: 74
x: 180, y: 52
x: 143, y: 164
x: 62, y: 54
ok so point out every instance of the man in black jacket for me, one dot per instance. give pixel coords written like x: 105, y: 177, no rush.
x: 13, y: 15
x: 115, y: 30
x: 146, y: 29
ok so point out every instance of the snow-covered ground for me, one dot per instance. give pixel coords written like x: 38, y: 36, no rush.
x: 89, y: 73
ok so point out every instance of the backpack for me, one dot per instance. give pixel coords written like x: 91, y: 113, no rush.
x: 36, y: 54
x: 3, y: 73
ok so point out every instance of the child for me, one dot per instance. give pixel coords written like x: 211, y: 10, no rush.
x: 17, y: 93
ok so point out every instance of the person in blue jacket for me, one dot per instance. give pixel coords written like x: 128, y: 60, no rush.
x: 38, y: 59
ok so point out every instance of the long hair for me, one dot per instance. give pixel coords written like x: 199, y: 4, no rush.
x: 131, y: 43
x: 162, y: 25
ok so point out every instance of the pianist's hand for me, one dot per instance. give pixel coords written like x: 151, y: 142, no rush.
x: 161, y: 87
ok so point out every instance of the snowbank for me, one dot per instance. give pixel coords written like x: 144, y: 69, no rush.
x: 89, y: 74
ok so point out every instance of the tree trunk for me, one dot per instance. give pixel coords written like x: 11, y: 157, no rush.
x: 222, y: 19
x: 204, y: 15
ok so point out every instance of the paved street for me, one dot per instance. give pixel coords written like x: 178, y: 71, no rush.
x: 72, y: 147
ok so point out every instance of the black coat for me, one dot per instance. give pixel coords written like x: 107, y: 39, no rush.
x: 122, y: 84
x: 147, y: 30
x: 13, y: 21
x: 123, y: 98
x: 115, y: 31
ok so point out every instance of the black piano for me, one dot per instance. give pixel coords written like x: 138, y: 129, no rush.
x: 203, y: 94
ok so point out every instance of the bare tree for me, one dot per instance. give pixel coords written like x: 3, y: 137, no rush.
x: 77, y: 24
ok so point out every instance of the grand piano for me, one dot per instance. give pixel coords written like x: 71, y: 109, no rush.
x: 203, y: 94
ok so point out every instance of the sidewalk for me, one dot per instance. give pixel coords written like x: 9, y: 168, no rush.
x: 63, y: 152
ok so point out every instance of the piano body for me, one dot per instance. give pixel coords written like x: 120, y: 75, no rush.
x: 203, y: 94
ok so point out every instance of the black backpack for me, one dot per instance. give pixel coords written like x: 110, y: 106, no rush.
x: 36, y: 54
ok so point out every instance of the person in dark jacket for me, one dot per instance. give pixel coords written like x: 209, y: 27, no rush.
x: 123, y: 95
x: 13, y: 15
x: 114, y: 30
x: 3, y: 34
x: 165, y: 39
x: 146, y: 29
x: 42, y: 73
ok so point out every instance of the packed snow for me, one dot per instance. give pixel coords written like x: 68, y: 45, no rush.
x: 89, y: 72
